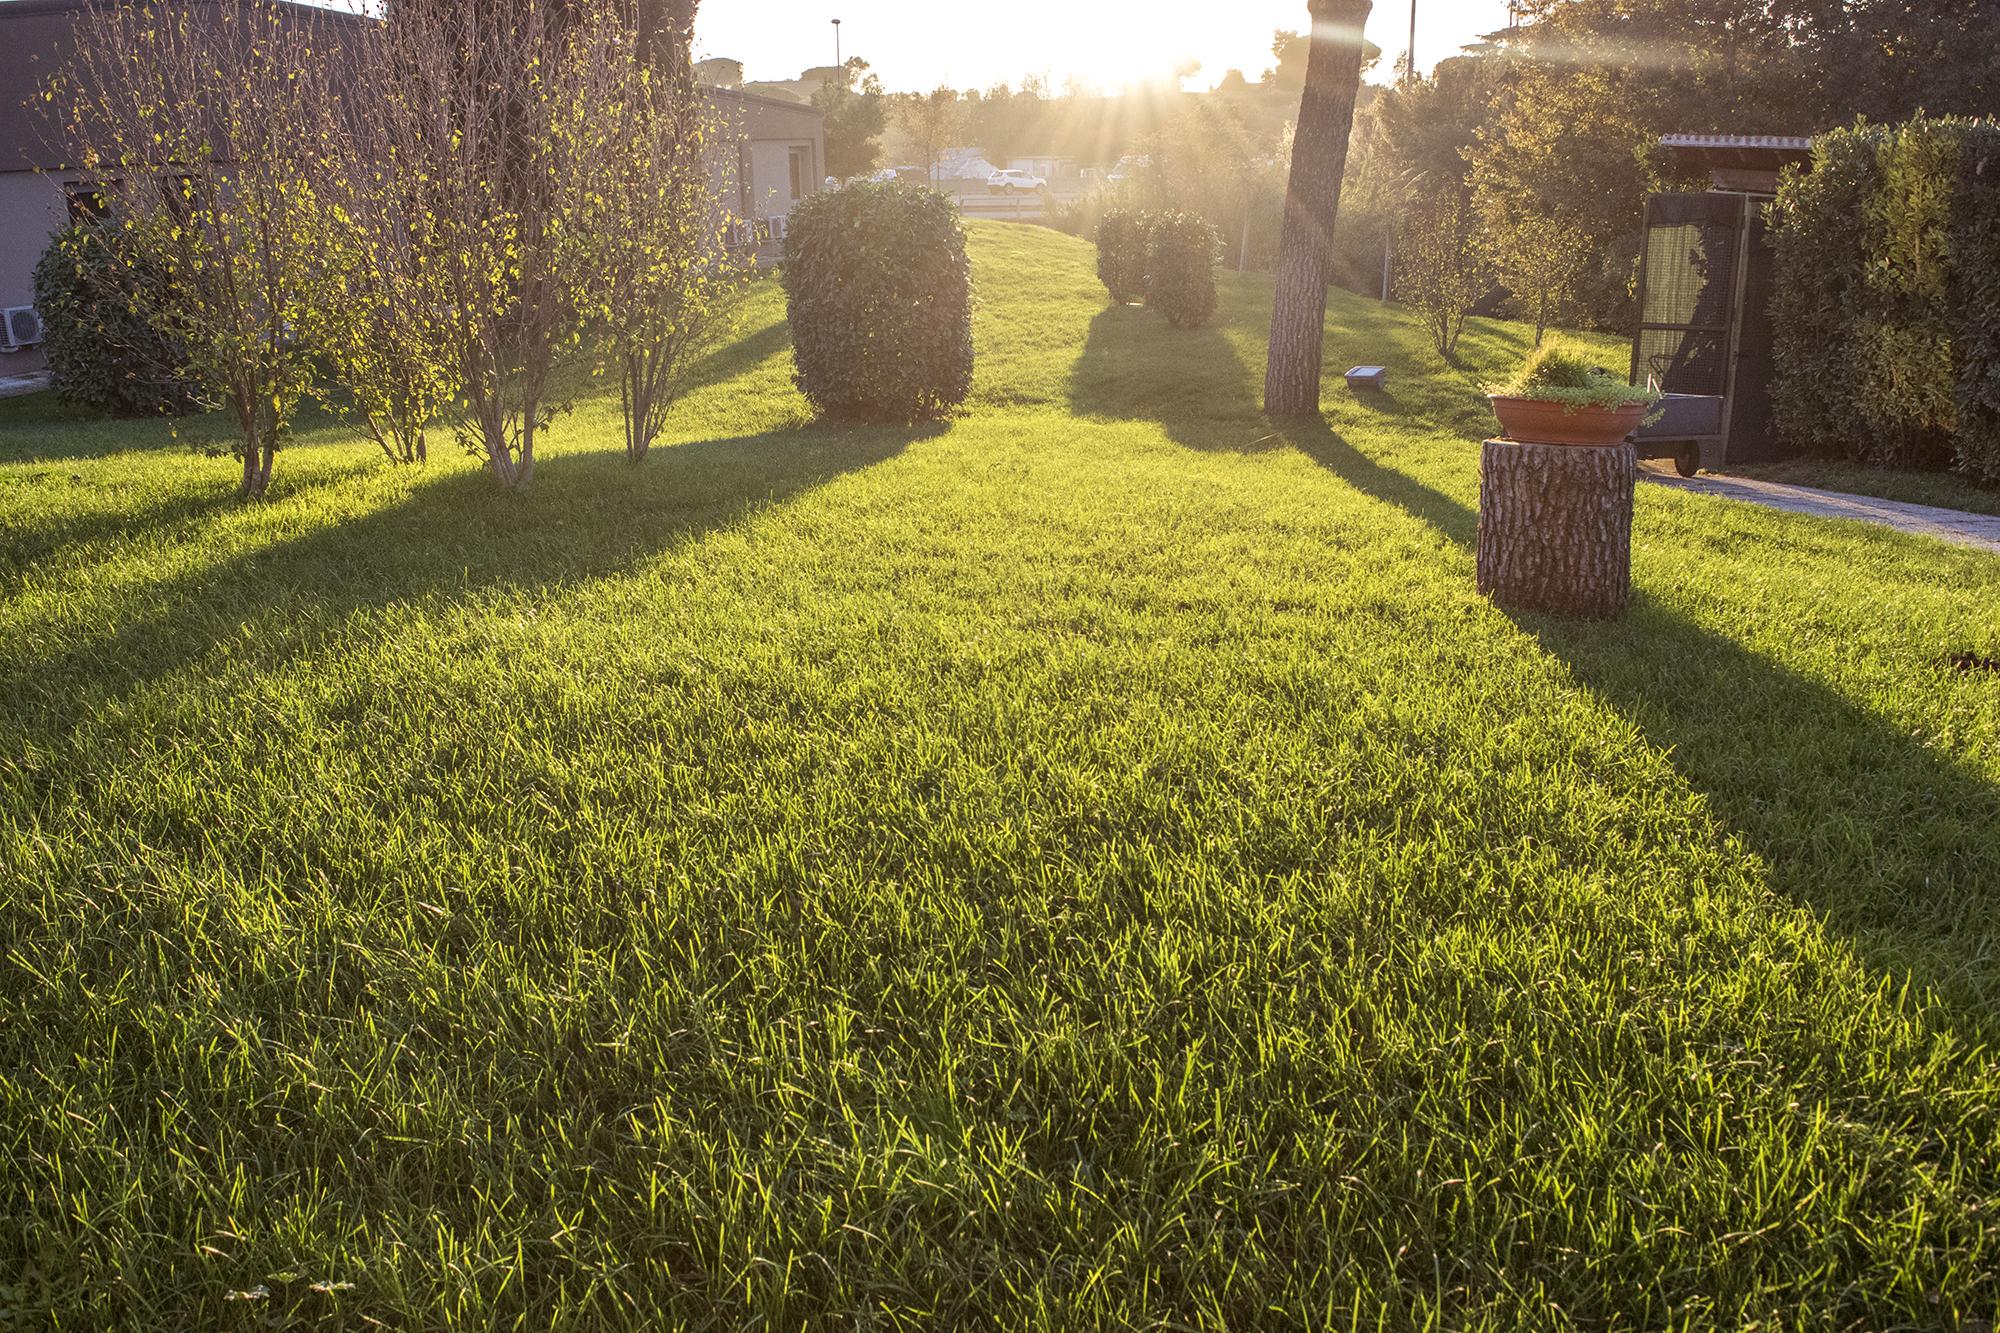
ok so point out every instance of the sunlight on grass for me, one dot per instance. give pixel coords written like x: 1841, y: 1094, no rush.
x: 1093, y: 863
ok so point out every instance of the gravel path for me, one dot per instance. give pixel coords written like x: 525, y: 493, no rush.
x: 1952, y: 525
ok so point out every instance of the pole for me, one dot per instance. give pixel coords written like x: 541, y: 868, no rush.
x: 1409, y: 78
x: 836, y: 43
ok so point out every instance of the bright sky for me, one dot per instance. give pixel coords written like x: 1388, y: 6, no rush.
x: 920, y: 44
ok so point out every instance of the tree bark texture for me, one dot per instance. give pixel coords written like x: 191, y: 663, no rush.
x: 1312, y: 201
x: 1555, y: 527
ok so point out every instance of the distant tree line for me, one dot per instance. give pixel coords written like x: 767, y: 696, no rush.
x: 1512, y: 176
x: 1547, y: 137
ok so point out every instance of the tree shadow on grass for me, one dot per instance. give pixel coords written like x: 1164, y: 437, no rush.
x: 1891, y: 841
x: 740, y: 355
x: 30, y: 547
x: 1201, y: 405
x: 588, y: 516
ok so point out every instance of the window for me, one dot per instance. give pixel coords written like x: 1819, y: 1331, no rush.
x: 801, y: 171
x: 88, y: 200
x: 177, y: 193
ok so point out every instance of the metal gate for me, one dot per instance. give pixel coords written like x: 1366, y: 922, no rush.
x: 1688, y: 292
x: 1704, y: 328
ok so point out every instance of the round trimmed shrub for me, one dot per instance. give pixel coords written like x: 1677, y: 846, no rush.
x: 879, y: 293
x: 1122, y: 246
x: 1181, y: 282
x: 103, y: 353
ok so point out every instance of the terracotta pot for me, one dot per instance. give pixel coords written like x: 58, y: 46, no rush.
x: 1535, y: 421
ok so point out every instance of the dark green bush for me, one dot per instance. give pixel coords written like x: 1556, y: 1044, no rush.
x: 1124, y: 248
x: 1888, y: 267
x: 103, y: 354
x: 1180, y: 282
x: 879, y: 292
x: 1976, y: 308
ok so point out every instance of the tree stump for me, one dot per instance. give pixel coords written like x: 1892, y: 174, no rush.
x: 1555, y: 527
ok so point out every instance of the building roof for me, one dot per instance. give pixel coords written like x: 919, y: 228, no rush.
x: 1755, y: 152
x: 754, y: 116
x: 35, y: 43
x: 761, y: 99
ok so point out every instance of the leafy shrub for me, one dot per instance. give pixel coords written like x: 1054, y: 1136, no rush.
x: 103, y: 352
x: 1888, y: 267
x: 1440, y: 269
x: 879, y: 293
x: 1562, y: 372
x: 1081, y: 215
x: 1180, y: 283
x: 1123, y: 253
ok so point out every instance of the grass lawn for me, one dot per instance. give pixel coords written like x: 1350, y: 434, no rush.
x: 1093, y: 864
x: 1942, y: 489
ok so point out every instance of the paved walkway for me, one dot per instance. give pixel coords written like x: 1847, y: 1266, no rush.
x: 1952, y: 525
x: 12, y: 386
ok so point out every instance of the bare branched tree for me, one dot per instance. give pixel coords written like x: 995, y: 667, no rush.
x: 934, y: 121
x: 479, y: 111
x: 199, y: 123
x: 378, y: 320
x: 660, y: 272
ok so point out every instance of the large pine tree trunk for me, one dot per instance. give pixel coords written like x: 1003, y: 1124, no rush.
x: 1555, y: 527
x: 1312, y: 199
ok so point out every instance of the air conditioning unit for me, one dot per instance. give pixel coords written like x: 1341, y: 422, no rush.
x: 23, y: 327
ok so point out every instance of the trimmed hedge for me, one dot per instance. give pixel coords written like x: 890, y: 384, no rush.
x: 879, y: 293
x: 1180, y: 282
x: 103, y: 353
x: 1888, y: 273
x: 1123, y: 254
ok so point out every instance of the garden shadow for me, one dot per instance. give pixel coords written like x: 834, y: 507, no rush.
x: 1888, y: 840
x: 740, y: 355
x: 1204, y: 406
x: 1318, y: 440
x: 32, y: 546
x: 587, y: 516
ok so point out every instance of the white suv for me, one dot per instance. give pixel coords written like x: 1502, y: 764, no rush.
x: 1010, y: 180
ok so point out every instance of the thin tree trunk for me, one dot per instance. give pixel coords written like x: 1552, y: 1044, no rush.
x: 1312, y: 200
x: 247, y: 490
x: 501, y: 459
x: 260, y: 448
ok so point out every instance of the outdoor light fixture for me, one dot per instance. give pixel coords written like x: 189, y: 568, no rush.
x: 1375, y: 378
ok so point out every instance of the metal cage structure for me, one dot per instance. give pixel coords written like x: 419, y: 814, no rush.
x: 1704, y: 328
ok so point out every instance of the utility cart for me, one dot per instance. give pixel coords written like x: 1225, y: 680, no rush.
x: 1704, y: 330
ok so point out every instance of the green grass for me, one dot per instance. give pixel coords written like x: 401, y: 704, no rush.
x: 1096, y: 864
x: 1941, y: 489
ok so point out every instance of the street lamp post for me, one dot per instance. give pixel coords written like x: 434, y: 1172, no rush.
x: 1409, y: 78
x: 836, y: 43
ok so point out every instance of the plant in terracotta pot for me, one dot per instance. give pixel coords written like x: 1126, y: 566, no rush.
x: 1561, y: 397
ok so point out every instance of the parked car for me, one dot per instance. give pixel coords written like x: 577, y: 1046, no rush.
x: 1127, y: 168
x: 1010, y: 181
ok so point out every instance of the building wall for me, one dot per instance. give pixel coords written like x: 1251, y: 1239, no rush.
x: 32, y: 208
x: 761, y: 140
